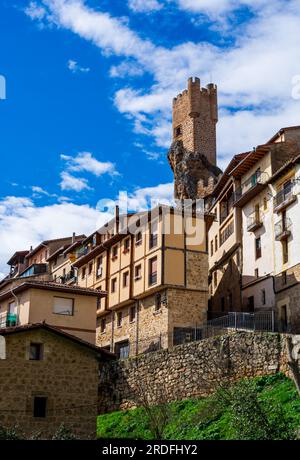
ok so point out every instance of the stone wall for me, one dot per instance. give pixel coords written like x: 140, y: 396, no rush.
x: 67, y: 376
x: 190, y: 370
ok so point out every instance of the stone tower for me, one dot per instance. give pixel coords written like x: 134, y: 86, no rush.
x: 193, y: 152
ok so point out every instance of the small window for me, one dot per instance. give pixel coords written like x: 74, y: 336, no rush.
x: 115, y: 252
x: 216, y: 242
x: 39, y: 407
x: 138, y: 239
x: 257, y: 248
x: 125, y: 279
x: 158, y: 302
x: 114, y: 285
x: 211, y: 248
x: 132, y: 313
x: 152, y: 271
x: 256, y: 273
x: 119, y: 318
x: 63, y: 306
x: 265, y: 204
x: 90, y: 268
x: 263, y: 297
x: 178, y: 131
x: 215, y: 278
x: 153, y: 234
x: 103, y: 325
x: 138, y: 272
x: 284, y: 278
x: 99, y: 266
x: 36, y: 352
x: 83, y: 273
x: 126, y: 245
x: 285, y: 251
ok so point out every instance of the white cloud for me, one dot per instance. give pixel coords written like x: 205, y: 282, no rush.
x: 126, y: 69
x: 69, y: 182
x: 144, y: 6
x: 35, y: 11
x: 39, y: 191
x: 84, y: 161
x: 23, y: 224
x: 255, y: 71
x: 76, y: 68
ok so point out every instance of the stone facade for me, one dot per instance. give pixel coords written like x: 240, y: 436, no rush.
x: 190, y: 370
x: 192, y: 156
x: 67, y: 375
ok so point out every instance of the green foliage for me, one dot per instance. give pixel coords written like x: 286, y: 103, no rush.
x: 228, y: 414
x: 9, y: 434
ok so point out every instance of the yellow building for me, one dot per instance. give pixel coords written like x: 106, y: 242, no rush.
x: 69, y: 308
x: 153, y: 266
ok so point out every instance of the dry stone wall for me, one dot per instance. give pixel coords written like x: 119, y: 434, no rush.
x: 190, y: 370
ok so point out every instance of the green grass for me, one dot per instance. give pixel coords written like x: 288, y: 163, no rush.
x: 194, y: 419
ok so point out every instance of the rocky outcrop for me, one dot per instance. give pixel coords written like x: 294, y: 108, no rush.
x: 194, y: 176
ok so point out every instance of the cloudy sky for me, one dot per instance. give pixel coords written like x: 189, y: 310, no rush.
x: 89, y: 90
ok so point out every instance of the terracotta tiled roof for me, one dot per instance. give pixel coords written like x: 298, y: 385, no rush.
x: 48, y: 285
x: 55, y: 330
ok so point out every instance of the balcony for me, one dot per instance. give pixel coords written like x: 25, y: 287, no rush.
x: 250, y: 188
x: 8, y: 320
x: 284, y: 198
x: 35, y: 269
x: 254, y: 222
x: 283, y: 229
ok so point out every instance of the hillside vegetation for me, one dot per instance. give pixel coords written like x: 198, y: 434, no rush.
x: 213, y: 418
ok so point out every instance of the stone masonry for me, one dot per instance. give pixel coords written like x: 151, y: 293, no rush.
x: 190, y: 370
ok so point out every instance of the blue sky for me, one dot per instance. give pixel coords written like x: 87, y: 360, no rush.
x: 89, y: 92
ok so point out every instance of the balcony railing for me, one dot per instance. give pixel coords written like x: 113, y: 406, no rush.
x: 284, y: 198
x: 35, y: 269
x: 256, y: 182
x: 8, y: 320
x: 254, y: 222
x: 283, y: 229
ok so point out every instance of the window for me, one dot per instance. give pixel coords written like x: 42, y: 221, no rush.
x: 55, y: 262
x: 115, y: 252
x: 216, y: 242
x: 152, y: 271
x: 119, y: 318
x: 138, y: 239
x: 63, y: 306
x: 178, y: 131
x: 284, y: 318
x: 285, y: 251
x: 265, y: 204
x: 284, y: 278
x: 83, y: 273
x: 36, y: 352
x: 158, y: 302
x: 215, y: 279
x: 138, y: 272
x: 99, y: 267
x: 251, y: 304
x: 132, y: 313
x: 256, y: 273
x: 125, y: 279
x: 39, y: 406
x: 230, y: 301
x: 263, y: 297
x: 12, y: 308
x: 223, y: 304
x: 226, y: 233
x: 122, y: 349
x: 257, y: 248
x: 90, y: 268
x: 114, y: 285
x: 103, y: 325
x: 153, y: 235
x: 126, y: 245
x: 211, y: 247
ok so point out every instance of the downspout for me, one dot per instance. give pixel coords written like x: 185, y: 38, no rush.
x: 17, y: 303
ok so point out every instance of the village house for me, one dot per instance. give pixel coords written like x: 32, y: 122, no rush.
x: 48, y: 378
x: 69, y: 308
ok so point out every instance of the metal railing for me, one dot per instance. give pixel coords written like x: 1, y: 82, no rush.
x: 283, y: 227
x: 256, y: 179
x: 234, y: 321
x: 284, y: 196
x: 8, y: 320
x: 254, y: 220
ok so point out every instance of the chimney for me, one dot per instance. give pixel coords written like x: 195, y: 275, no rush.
x: 117, y: 219
x: 73, y: 237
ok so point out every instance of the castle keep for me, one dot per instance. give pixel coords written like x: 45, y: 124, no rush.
x: 192, y: 155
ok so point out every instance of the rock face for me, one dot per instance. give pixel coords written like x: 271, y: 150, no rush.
x: 194, y: 176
